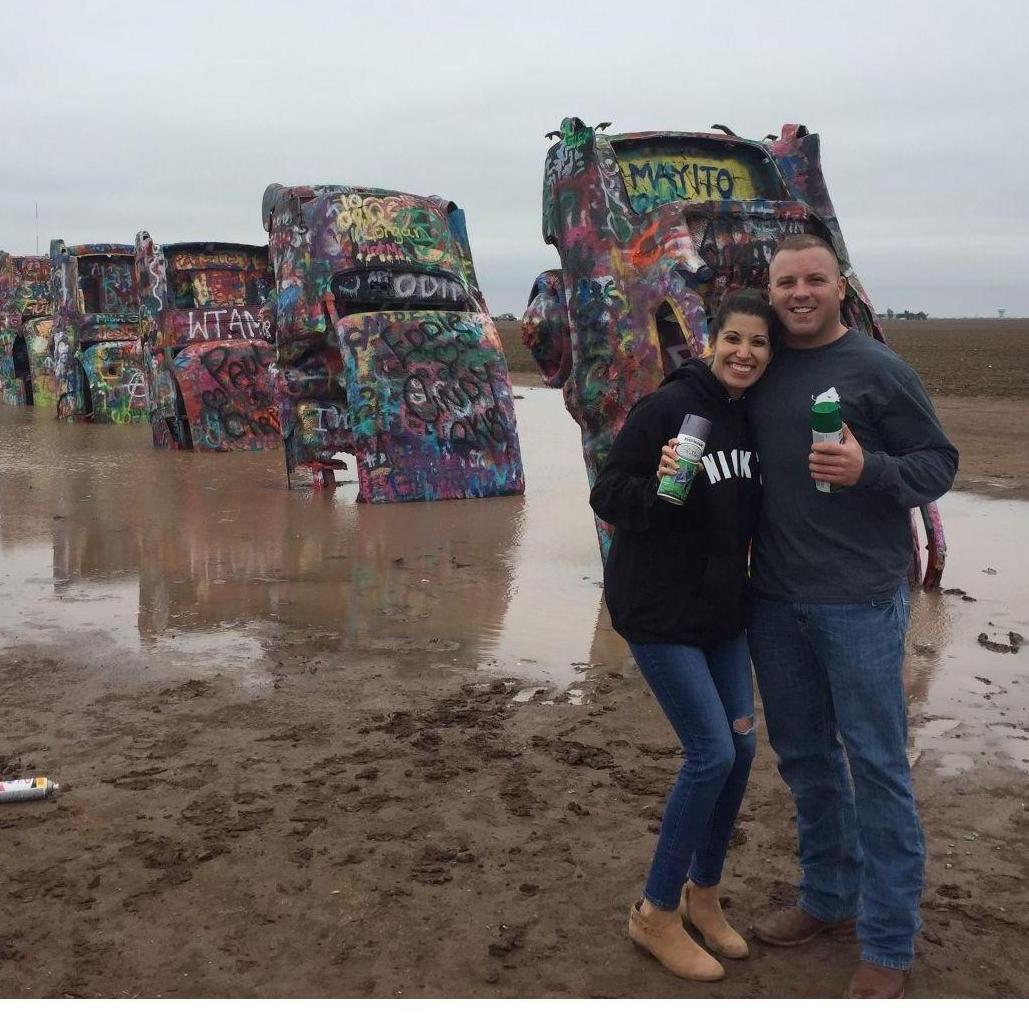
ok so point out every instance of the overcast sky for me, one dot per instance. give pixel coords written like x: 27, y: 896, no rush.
x: 173, y: 117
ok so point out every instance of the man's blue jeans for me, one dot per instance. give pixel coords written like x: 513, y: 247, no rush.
x: 708, y: 696
x: 830, y: 680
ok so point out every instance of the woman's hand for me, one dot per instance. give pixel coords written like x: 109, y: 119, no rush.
x: 669, y: 464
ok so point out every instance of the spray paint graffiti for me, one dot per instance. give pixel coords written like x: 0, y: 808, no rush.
x: 656, y: 178
x: 430, y: 400
x: 388, y: 350
x: 96, y: 349
x: 229, y: 392
x: 26, y: 361
x: 239, y: 323
x: 315, y: 420
x: 212, y: 379
x: 115, y: 381
x: 38, y: 335
x: 653, y: 229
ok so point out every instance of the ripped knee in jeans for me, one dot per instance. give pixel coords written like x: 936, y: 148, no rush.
x: 743, y: 726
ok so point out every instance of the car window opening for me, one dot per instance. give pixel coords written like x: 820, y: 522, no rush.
x: 675, y: 346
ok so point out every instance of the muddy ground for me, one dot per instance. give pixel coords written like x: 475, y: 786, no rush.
x: 394, y: 824
x: 423, y: 838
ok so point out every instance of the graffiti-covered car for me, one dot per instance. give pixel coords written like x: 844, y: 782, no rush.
x: 207, y: 350
x: 97, y: 358
x: 653, y: 229
x: 387, y: 347
x: 26, y: 357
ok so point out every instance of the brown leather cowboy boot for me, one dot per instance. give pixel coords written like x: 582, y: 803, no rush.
x: 793, y: 926
x: 876, y: 982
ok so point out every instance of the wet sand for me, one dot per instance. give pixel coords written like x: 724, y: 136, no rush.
x: 312, y: 748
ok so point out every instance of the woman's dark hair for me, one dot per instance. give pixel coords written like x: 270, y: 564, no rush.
x: 743, y: 301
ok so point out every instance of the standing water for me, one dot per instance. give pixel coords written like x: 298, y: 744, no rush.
x: 109, y: 546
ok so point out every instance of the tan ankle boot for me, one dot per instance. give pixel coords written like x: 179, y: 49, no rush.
x: 701, y: 908
x: 662, y: 935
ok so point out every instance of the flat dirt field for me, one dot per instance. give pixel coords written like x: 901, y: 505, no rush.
x: 977, y: 372
x: 375, y: 822
x: 968, y: 357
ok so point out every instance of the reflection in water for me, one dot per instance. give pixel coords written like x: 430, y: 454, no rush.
x: 971, y: 703
x: 219, y: 544
x: 929, y: 634
x: 104, y: 539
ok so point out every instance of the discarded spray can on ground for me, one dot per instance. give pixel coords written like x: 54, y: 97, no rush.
x: 689, y: 450
x: 826, y: 425
x: 38, y: 788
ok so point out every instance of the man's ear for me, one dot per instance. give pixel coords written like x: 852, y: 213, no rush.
x: 841, y: 287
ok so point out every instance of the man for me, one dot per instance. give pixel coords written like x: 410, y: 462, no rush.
x: 830, y: 610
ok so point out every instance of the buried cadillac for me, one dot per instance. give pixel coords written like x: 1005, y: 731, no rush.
x: 653, y: 229
x: 386, y: 346
x: 210, y: 365
x: 26, y: 357
x: 97, y: 359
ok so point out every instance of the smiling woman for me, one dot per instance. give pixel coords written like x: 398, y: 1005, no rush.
x: 742, y: 350
x: 674, y: 584
x: 742, y: 342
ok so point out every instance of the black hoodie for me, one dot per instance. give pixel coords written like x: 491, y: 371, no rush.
x: 678, y: 574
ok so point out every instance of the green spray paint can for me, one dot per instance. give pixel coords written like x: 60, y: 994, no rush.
x: 689, y: 450
x: 826, y: 425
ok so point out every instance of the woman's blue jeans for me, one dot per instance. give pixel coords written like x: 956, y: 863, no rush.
x: 708, y: 697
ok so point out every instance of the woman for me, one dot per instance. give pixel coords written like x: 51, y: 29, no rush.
x: 674, y: 583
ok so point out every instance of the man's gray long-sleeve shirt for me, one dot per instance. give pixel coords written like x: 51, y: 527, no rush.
x: 854, y: 544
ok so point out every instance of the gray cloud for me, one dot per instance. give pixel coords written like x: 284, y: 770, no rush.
x: 174, y: 117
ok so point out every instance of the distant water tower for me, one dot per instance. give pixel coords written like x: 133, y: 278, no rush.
x: 1000, y: 311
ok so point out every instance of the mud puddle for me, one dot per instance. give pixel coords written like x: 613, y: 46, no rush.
x: 113, y: 549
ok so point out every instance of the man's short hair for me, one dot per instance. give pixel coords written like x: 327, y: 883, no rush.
x: 806, y: 241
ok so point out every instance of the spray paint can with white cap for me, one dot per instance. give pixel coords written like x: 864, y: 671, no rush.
x: 38, y: 788
x: 689, y: 449
x: 826, y: 425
